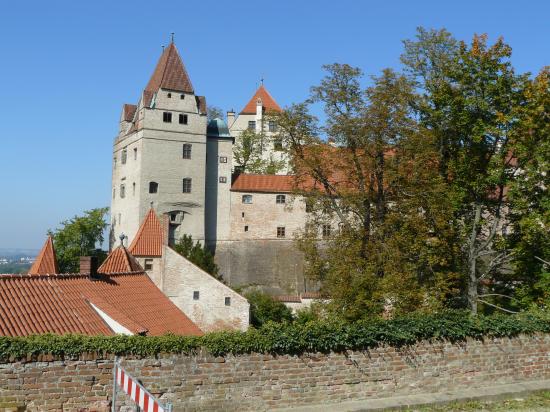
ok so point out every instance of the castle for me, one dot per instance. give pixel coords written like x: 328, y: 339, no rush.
x: 168, y: 157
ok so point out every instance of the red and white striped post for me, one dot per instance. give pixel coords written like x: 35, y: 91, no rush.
x: 141, y: 396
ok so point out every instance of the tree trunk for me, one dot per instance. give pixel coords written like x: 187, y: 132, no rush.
x: 473, y: 279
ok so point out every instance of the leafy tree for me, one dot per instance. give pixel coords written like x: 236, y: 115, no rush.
x: 248, y: 154
x: 263, y: 308
x: 80, y: 236
x: 197, y: 254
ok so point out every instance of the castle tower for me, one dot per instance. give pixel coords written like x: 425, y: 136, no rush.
x: 159, y: 155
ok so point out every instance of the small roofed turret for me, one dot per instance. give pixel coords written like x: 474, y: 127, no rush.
x: 217, y: 128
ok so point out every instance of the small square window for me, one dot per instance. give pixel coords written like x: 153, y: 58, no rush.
x: 251, y: 125
x: 148, y: 265
x: 327, y: 230
x: 182, y: 96
x: 227, y: 301
x: 169, y: 95
x: 280, y: 199
x: 246, y: 228
x: 186, y: 185
x: 222, y: 179
x: 281, y: 231
x: 196, y: 295
x: 223, y: 159
x: 187, y: 151
x: 247, y: 199
x: 153, y: 187
x: 167, y: 117
x: 183, y: 119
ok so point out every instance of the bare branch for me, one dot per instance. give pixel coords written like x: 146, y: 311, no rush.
x: 497, y: 307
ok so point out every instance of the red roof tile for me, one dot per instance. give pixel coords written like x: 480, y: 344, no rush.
x: 46, y: 262
x: 63, y: 304
x: 120, y: 261
x: 263, y: 183
x: 288, y: 298
x: 149, y: 238
x: 268, y: 102
x: 128, y: 112
x: 170, y: 73
x: 311, y: 295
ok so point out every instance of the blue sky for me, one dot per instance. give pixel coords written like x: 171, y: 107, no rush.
x: 67, y: 67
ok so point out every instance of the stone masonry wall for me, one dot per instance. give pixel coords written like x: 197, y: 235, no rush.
x: 260, y: 382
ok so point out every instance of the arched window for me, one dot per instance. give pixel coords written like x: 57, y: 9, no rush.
x: 153, y: 187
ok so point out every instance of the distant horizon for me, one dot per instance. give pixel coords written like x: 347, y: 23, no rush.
x: 71, y: 66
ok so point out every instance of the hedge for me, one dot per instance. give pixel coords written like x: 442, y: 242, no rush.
x: 287, y: 338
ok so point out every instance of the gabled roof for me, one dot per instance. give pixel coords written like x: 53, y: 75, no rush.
x: 268, y: 102
x: 46, y: 262
x: 120, y: 261
x: 128, y: 112
x: 149, y: 238
x: 66, y: 304
x: 170, y: 73
x: 263, y: 183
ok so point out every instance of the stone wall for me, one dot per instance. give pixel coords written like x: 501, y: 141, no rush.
x: 260, y: 382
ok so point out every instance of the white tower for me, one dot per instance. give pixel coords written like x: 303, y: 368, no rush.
x: 159, y: 156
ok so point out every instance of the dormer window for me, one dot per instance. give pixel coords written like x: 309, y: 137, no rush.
x: 167, y: 117
x: 183, y: 119
x: 169, y: 95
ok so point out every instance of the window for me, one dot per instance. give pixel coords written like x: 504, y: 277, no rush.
x: 153, y: 187
x: 187, y: 151
x: 123, y: 156
x: 252, y: 125
x: 327, y: 229
x: 183, y: 119
x: 182, y: 96
x: 196, y: 295
x: 167, y: 117
x: 122, y: 191
x: 278, y: 144
x: 246, y: 228
x: 148, y: 265
x: 186, y: 185
x: 280, y: 231
x: 280, y: 199
x: 309, y: 206
x: 173, y: 217
x: 222, y: 179
x: 135, y: 153
x: 247, y: 199
x: 242, y: 214
x: 134, y: 189
x: 114, y: 192
x: 223, y: 159
x: 227, y: 301
x: 272, y: 126
x: 169, y: 95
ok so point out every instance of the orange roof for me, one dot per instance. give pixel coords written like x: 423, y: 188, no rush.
x: 45, y: 263
x: 268, y: 102
x: 263, y: 183
x: 128, y: 112
x: 120, y: 261
x: 149, y: 238
x: 63, y: 304
x: 170, y: 73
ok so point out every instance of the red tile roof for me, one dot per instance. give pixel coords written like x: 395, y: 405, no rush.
x: 263, y: 183
x: 149, y: 238
x: 63, y: 304
x: 120, y: 261
x: 46, y: 262
x: 268, y: 102
x: 170, y: 73
x: 288, y: 298
x: 128, y: 111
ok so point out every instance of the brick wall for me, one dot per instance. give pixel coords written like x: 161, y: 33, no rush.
x: 259, y: 382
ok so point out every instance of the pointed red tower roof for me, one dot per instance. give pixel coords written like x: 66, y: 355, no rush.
x: 170, y: 73
x: 120, y: 261
x: 45, y: 263
x: 149, y: 238
x: 268, y: 102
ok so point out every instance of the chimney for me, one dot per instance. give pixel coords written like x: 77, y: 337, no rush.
x: 230, y: 118
x: 88, y: 266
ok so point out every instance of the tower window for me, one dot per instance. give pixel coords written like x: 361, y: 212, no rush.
x: 280, y: 199
x: 182, y: 96
x: 327, y: 230
x: 280, y: 231
x: 227, y: 301
x: 247, y: 199
x: 148, y: 265
x: 123, y: 156
x: 153, y: 187
x: 187, y: 151
x: 251, y: 125
x: 169, y: 95
x: 114, y: 192
x: 167, y: 117
x: 122, y: 191
x: 135, y: 153
x: 133, y: 189
x: 183, y: 119
x: 246, y: 228
x: 242, y: 214
x: 196, y: 295
x: 272, y: 126
x: 187, y: 185
x: 222, y: 179
x: 223, y: 159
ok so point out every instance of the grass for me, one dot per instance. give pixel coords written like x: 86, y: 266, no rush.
x: 535, y: 402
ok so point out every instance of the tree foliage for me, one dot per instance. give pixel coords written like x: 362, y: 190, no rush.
x: 80, y: 236
x: 248, y: 153
x: 197, y: 254
x: 264, y: 308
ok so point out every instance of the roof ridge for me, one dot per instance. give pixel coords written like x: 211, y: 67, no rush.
x: 46, y: 261
x: 149, y: 238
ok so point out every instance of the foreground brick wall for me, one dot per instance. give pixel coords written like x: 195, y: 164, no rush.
x: 259, y: 382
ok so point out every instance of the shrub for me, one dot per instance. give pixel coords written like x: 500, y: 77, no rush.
x: 263, y: 308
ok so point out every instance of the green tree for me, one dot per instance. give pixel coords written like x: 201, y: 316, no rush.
x: 263, y: 308
x: 197, y: 254
x: 248, y: 154
x: 80, y: 236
